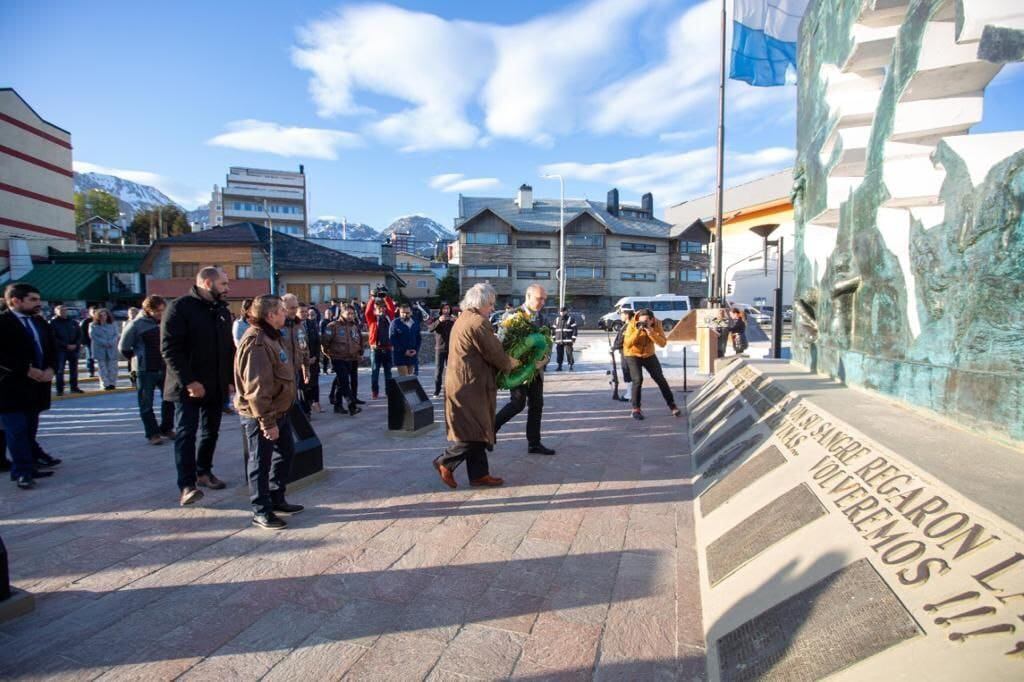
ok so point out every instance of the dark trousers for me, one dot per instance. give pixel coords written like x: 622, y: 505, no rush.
x: 346, y: 381
x: 69, y: 357
x: 325, y: 362
x: 473, y: 452
x: 21, y: 429
x: 564, y: 349
x: 311, y: 391
x: 147, y: 384
x: 653, y: 367
x: 626, y: 376
x: 268, y: 464
x: 196, y: 418
x: 440, y: 363
x: 379, y: 358
x: 90, y: 361
x: 531, y: 394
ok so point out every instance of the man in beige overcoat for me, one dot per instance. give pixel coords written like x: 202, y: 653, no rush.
x: 475, y: 356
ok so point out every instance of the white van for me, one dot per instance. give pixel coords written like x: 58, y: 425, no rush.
x: 669, y: 308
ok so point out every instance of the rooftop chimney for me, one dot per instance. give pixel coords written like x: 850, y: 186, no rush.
x: 302, y: 169
x: 647, y: 204
x: 525, y: 198
x: 613, y: 202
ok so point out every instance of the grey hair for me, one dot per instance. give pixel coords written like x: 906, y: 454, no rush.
x: 535, y: 287
x: 478, y: 296
x: 288, y: 299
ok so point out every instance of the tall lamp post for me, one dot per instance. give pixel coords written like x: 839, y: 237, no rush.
x: 270, y: 225
x: 561, y: 237
x: 763, y: 231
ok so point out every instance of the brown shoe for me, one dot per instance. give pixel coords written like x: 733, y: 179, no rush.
x: 489, y: 481
x: 446, y: 475
x: 156, y: 440
x: 190, y: 495
x: 210, y: 481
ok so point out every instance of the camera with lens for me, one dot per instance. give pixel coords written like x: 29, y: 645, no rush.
x: 643, y: 325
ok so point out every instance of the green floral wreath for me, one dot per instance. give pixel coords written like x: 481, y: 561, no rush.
x: 529, y: 351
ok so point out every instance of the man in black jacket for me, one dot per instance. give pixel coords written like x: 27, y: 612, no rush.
x: 90, y: 361
x: 68, y: 337
x: 27, y: 358
x: 531, y: 394
x: 199, y: 353
x: 564, y: 335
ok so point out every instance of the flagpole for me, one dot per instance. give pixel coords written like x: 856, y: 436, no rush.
x: 718, y: 292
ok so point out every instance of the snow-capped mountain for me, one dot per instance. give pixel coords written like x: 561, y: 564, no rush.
x: 131, y: 196
x: 336, y: 229
x: 417, y: 234
x: 200, y: 216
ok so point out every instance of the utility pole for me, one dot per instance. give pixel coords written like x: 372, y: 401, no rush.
x: 718, y: 287
x: 270, y: 227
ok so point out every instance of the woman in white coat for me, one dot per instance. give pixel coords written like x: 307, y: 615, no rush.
x: 103, y: 333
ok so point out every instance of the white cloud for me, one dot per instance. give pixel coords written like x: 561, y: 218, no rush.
x: 272, y: 138
x: 681, y: 136
x: 457, y: 182
x: 181, y: 193
x: 675, y: 177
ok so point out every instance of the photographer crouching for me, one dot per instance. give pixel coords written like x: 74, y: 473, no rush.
x: 265, y: 391
x: 638, y: 346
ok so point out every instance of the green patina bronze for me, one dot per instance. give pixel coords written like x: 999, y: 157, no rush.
x: 853, y: 317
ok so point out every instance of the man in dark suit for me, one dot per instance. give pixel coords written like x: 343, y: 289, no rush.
x: 27, y: 359
x: 531, y: 394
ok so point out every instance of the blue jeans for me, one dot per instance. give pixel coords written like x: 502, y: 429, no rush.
x: 379, y: 357
x: 268, y: 463
x: 192, y: 417
x: 20, y: 429
x: 147, y: 383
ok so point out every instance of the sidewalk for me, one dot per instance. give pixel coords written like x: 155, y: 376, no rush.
x: 582, y: 567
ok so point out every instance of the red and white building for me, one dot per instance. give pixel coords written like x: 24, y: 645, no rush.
x: 37, y: 208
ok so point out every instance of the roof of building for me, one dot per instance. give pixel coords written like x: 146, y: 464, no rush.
x: 83, y: 277
x: 16, y: 94
x: 101, y: 219
x: 290, y: 253
x: 544, y: 216
x: 754, y: 193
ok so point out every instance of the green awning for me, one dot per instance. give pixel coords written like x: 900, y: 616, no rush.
x: 72, y: 281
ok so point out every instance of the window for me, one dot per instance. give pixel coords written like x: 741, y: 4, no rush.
x: 316, y: 293
x: 693, y: 275
x: 639, y: 277
x: 189, y: 270
x: 421, y: 284
x: 533, y: 274
x: 587, y: 240
x: 636, y: 246
x: 693, y: 247
x: 487, y: 238
x: 533, y: 243
x: 488, y: 271
x: 243, y: 272
x: 584, y: 273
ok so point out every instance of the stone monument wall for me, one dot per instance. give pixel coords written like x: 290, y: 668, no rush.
x: 910, y: 228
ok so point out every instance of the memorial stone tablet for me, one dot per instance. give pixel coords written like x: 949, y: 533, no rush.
x: 704, y: 428
x: 724, y: 490
x: 714, y: 447
x: 737, y: 451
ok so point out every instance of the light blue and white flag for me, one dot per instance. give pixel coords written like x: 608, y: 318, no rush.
x: 764, y: 37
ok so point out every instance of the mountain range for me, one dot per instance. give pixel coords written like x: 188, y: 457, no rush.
x: 132, y: 197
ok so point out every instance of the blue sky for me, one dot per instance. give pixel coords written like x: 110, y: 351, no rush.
x: 396, y: 107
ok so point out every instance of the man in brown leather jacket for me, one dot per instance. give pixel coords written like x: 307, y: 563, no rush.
x: 342, y: 341
x: 265, y: 383
x: 296, y: 344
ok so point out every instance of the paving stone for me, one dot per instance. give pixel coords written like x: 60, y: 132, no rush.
x: 482, y: 652
x: 397, y: 657
x: 506, y: 610
x: 316, y: 658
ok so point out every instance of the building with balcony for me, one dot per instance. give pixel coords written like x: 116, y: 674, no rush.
x: 37, y: 208
x: 417, y: 271
x: 764, y: 204
x: 611, y: 249
x: 250, y: 193
x: 314, y: 273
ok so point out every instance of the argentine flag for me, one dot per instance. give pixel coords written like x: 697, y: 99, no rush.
x: 764, y: 36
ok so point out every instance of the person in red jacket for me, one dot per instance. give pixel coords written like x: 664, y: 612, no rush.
x: 378, y: 323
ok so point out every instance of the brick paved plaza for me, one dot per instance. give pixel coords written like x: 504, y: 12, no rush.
x: 583, y: 566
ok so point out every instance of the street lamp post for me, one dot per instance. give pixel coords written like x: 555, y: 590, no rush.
x: 270, y: 226
x: 561, y: 238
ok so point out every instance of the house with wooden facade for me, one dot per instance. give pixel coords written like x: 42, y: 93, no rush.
x: 312, y: 272
x: 611, y: 249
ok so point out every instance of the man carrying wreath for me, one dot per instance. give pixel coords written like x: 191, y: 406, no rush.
x: 532, y: 393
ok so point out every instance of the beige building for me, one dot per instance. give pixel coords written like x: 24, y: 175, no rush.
x: 420, y: 280
x: 245, y: 191
x: 37, y: 208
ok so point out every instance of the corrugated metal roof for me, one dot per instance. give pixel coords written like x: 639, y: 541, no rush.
x: 543, y: 217
x: 753, y: 193
x: 70, y: 281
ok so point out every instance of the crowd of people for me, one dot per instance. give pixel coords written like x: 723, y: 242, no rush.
x: 267, y: 361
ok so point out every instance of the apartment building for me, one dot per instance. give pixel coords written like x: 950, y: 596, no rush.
x: 611, y: 249
x: 37, y: 208
x: 245, y: 191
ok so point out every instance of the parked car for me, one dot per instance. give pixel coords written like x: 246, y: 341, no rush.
x: 787, y: 313
x: 763, y: 315
x: 669, y: 308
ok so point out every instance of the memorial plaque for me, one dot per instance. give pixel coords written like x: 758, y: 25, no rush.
x: 762, y: 529
x: 733, y: 408
x: 700, y: 411
x: 712, y: 448
x: 737, y: 451
x: 722, y: 491
x: 847, y: 617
